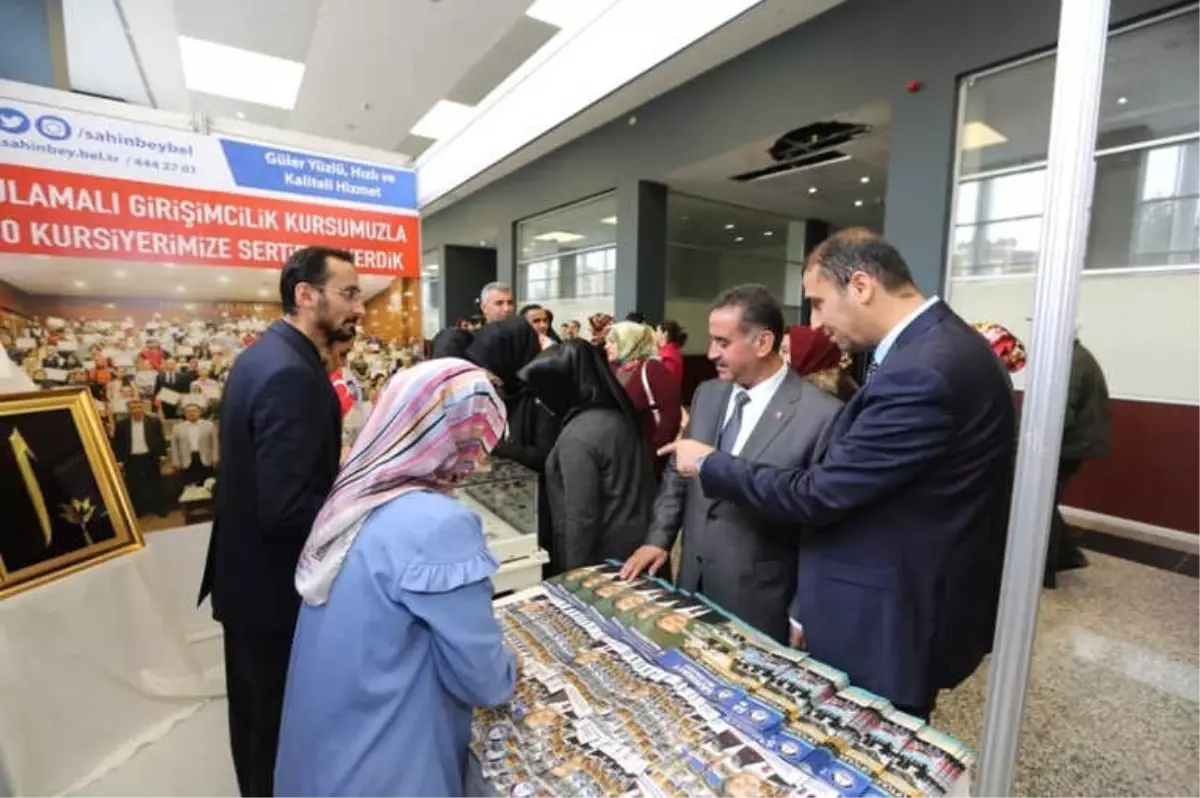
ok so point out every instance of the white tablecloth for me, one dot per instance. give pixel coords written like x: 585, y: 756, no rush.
x: 101, y: 663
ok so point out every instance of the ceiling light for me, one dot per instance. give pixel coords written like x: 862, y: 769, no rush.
x: 977, y: 135
x: 110, y: 305
x: 240, y: 74
x: 80, y: 284
x: 170, y: 265
x: 119, y: 273
x: 739, y: 239
x: 812, y: 189
x: 566, y: 14
x: 864, y: 180
x: 729, y: 227
x: 263, y: 292
x: 1122, y: 100
x: 222, y: 279
x: 559, y: 237
x: 180, y: 289
x: 609, y: 220
x: 768, y: 233
x: 858, y: 203
x: 443, y: 120
x: 240, y: 115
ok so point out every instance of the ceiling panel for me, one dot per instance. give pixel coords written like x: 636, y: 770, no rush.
x: 282, y: 28
x: 522, y: 40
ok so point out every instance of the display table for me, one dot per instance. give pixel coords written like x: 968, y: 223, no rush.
x: 634, y: 688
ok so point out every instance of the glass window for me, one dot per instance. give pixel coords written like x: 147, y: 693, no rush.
x: 431, y: 320
x: 567, y: 259
x: 1145, y: 209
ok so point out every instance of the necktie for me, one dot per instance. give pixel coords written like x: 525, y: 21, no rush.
x: 729, y: 433
x: 872, y: 367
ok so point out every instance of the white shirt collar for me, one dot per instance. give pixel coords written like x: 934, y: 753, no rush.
x: 763, y: 392
x: 889, y: 340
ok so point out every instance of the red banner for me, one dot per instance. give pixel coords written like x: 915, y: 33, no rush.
x: 47, y: 212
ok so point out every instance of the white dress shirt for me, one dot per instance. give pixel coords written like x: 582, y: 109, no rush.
x: 137, y: 433
x: 760, y: 396
x: 193, y: 431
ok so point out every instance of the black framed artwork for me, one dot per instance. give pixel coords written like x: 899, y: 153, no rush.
x: 64, y: 504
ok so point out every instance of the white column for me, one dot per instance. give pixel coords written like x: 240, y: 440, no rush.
x: 1082, y: 35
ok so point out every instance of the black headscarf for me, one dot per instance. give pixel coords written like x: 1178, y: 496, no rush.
x: 504, y: 348
x: 452, y: 342
x: 573, y: 377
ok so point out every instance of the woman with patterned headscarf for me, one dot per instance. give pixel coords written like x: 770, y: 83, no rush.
x: 653, y: 390
x: 396, y: 642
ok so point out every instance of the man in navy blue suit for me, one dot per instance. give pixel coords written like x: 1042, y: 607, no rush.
x: 280, y: 444
x: 905, y: 513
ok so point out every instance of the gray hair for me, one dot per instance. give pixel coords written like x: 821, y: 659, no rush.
x: 490, y: 287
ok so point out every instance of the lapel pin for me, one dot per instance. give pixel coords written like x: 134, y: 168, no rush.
x: 778, y: 415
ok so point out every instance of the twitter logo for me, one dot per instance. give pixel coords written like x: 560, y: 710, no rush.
x: 13, y: 121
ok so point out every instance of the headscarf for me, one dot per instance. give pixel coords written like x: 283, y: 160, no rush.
x: 573, y: 377
x: 634, y: 341
x: 812, y: 350
x: 1007, y: 346
x: 599, y: 324
x: 431, y: 421
x: 503, y: 348
x: 452, y: 342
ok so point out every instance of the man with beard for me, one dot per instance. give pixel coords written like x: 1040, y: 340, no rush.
x: 280, y: 441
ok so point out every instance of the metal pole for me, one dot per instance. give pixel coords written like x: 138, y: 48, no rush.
x: 1082, y: 35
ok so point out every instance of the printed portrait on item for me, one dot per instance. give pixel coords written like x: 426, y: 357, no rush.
x: 62, y: 498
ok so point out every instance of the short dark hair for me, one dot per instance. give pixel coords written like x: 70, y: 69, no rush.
x: 636, y: 316
x: 674, y: 332
x: 760, y: 310
x: 859, y: 249
x: 532, y: 306
x: 306, y: 265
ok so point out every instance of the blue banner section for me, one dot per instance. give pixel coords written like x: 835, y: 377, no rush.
x: 294, y: 172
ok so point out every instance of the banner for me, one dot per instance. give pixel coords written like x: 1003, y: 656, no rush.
x: 88, y: 186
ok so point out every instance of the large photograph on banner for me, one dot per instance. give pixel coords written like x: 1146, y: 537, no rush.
x: 63, y: 501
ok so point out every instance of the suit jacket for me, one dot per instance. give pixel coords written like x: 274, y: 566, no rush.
x: 900, y: 580
x: 739, y: 558
x: 280, y: 440
x: 122, y: 441
x: 182, y: 385
x: 181, y: 447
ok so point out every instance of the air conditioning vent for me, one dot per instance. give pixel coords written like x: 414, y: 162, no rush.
x: 806, y: 147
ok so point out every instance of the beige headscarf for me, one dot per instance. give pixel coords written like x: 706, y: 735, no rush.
x: 634, y: 341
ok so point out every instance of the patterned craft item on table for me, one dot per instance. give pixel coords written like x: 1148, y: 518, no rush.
x: 1007, y: 346
x: 430, y: 426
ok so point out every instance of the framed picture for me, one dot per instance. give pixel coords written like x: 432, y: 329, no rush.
x: 65, y: 505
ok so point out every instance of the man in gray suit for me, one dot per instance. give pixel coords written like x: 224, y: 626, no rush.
x: 760, y: 409
x: 194, y: 446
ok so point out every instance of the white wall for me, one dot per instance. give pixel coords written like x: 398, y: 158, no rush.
x: 1143, y: 328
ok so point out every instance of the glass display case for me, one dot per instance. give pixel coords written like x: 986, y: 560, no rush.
x: 505, y: 496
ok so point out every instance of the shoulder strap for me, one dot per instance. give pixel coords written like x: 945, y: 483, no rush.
x: 650, y: 397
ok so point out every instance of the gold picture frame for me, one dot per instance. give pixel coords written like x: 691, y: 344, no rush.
x: 65, y: 507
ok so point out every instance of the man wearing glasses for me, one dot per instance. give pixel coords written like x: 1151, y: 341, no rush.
x: 280, y: 436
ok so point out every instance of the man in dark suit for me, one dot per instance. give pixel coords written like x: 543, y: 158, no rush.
x: 762, y: 410
x: 280, y: 441
x: 172, y: 379
x: 141, y: 448
x: 900, y: 581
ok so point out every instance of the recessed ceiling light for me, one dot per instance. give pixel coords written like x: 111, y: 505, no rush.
x: 263, y: 292
x: 1122, y: 100
x: 483, y: 243
x: 80, y: 284
x: 562, y: 13
x: 768, y: 232
x: 812, y: 189
x: 729, y: 227
x: 739, y: 239
x: 864, y: 179
x: 444, y: 119
x: 180, y: 289
x: 119, y: 273
x: 240, y: 74
x: 241, y: 115
x: 110, y: 305
x: 222, y: 279
x: 977, y: 135
x: 858, y: 203
x: 559, y: 237
x: 609, y: 220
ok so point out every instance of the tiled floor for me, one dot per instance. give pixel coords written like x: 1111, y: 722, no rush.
x: 1114, y: 700
x: 1113, y: 707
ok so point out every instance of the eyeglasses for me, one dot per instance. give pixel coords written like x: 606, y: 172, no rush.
x: 349, y: 293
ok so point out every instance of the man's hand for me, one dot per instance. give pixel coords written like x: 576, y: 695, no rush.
x: 687, y: 454
x: 796, y: 636
x: 647, y: 558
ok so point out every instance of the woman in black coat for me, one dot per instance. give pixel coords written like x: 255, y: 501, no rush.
x: 599, y: 476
